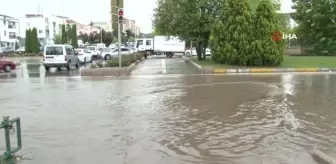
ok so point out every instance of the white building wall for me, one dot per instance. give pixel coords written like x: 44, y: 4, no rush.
x: 8, y: 31
x: 47, y: 27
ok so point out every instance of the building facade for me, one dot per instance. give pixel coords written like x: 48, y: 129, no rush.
x: 47, y: 27
x: 9, y: 31
x: 129, y: 24
x: 103, y: 25
x: 83, y: 28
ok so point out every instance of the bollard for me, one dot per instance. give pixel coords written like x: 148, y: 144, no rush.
x: 7, y: 125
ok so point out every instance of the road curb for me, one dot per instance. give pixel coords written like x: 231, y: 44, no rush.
x: 110, y: 71
x: 210, y: 70
x: 322, y: 158
x: 192, y: 62
x: 270, y: 70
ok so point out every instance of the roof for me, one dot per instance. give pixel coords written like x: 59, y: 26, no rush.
x: 33, y: 15
x: 2, y: 15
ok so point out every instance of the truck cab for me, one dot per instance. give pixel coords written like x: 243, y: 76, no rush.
x: 144, y: 45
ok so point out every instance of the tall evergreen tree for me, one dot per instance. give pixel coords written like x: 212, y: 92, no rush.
x: 28, y: 48
x: 74, y: 39
x: 64, y: 35
x: 69, y: 33
x: 234, y: 35
x: 35, y: 42
x: 264, y: 50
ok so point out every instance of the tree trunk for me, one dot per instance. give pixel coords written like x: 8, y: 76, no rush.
x: 199, y: 50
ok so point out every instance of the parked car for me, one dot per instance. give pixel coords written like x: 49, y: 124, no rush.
x: 194, y: 53
x: 108, y: 54
x: 83, y: 55
x: 7, y: 50
x: 59, y: 56
x: 95, y: 52
x: 20, y: 50
x: 7, y: 65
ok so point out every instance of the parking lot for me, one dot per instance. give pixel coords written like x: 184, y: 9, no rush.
x: 163, y: 114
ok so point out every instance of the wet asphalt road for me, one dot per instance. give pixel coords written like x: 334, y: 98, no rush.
x: 150, y: 119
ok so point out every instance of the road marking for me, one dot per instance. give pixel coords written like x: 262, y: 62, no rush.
x: 164, y: 69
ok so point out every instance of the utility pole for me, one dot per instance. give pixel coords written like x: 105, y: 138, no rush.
x: 101, y: 34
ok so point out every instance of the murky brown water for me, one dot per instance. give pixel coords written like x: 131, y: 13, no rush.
x: 173, y: 119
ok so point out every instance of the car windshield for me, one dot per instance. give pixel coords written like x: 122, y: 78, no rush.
x: 90, y: 48
x: 107, y: 49
x: 55, y: 50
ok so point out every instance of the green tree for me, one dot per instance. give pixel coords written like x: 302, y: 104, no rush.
x: 58, y: 39
x: 316, y: 25
x: 64, y: 35
x: 35, y: 44
x: 84, y: 37
x: 74, y: 39
x: 188, y: 19
x: 128, y: 34
x: 233, y: 34
x: 91, y: 38
x: 107, y: 38
x: 28, y: 46
x: 69, y: 33
x: 264, y: 50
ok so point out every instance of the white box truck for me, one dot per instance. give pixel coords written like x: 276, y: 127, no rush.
x: 167, y: 45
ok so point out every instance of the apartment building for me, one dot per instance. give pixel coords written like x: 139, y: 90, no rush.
x: 129, y: 24
x: 47, y: 27
x: 103, y: 25
x: 9, y: 31
x: 83, y: 28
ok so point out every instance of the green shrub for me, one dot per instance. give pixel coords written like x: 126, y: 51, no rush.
x: 126, y: 60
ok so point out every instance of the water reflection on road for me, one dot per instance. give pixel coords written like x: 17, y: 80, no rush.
x: 173, y: 119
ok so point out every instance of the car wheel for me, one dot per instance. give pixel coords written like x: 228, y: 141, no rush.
x: 68, y: 66
x: 7, y: 68
x: 107, y: 57
x: 77, y: 64
x: 47, y: 68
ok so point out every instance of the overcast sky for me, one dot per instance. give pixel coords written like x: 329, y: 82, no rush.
x: 85, y: 11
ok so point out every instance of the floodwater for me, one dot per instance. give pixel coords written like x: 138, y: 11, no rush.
x: 173, y: 119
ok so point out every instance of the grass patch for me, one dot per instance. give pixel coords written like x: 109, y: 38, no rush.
x: 288, y: 62
x: 126, y: 60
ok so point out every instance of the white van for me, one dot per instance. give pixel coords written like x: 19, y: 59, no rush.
x: 59, y: 56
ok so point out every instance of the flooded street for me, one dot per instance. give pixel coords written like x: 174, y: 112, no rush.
x: 151, y: 118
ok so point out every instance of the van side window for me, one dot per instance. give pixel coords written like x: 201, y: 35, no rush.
x: 148, y: 42
x: 69, y: 51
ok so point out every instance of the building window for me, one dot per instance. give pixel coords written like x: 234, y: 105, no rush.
x: 12, y: 35
x: 40, y: 31
x: 11, y: 25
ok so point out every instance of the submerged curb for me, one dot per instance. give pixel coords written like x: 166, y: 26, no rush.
x: 322, y: 158
x: 192, y: 62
